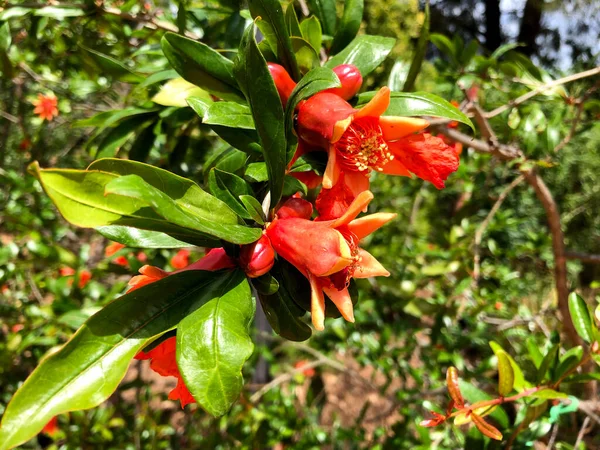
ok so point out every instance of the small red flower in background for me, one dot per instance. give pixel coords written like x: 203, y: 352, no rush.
x: 181, y: 259
x: 162, y: 361
x: 17, y: 327
x: 142, y: 257
x: 4, y: 289
x: 310, y: 372
x: 25, y: 144
x: 84, y: 276
x: 327, y: 252
x: 113, y: 248
x: 51, y: 428
x: 257, y: 258
x: 66, y: 271
x: 46, y: 106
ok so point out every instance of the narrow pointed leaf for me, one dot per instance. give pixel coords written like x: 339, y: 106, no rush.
x: 311, y: 32
x: 506, y: 375
x: 213, y: 343
x: 110, y: 66
x: 581, y: 317
x: 229, y: 114
x: 519, y: 379
x: 88, y: 368
x: 486, y: 428
x: 349, y: 25
x: 453, y: 388
x: 136, y: 238
x: 326, y: 12
x: 254, y: 208
x: 228, y: 187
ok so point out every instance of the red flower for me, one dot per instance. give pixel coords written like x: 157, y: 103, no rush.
x: 257, y: 258
x: 51, y: 428
x: 112, y: 248
x: 215, y: 259
x: 66, y: 271
x: 360, y: 141
x: 142, y: 257
x: 17, y: 327
x: 25, y: 144
x: 84, y: 277
x: 162, y: 361
x: 328, y: 252
x: 5, y: 289
x: 181, y: 259
x: 310, y: 372
x: 46, y: 106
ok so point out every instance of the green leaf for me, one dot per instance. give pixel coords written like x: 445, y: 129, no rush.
x: 176, y: 91
x: 569, y: 361
x: 110, y: 66
x: 88, y: 368
x: 185, y: 192
x: 548, y: 394
x: 419, y: 54
x: 311, y: 32
x: 366, y: 52
x: 519, y: 382
x: 228, y: 160
x: 257, y: 84
x: 306, y: 55
x: 548, y: 363
x: 136, y: 238
x: 418, y: 104
x: 109, y: 118
x: 254, y: 208
x: 580, y: 315
x: 534, y: 351
x: 157, y: 77
x: 504, y: 49
x: 265, y: 284
x: 5, y: 37
x: 326, y: 13
x: 314, y: 81
x: 229, y: 114
x: 213, y: 343
x: 273, y: 27
x: 136, y: 188
x: 349, y: 25
x: 444, y: 45
x: 506, y: 375
x: 16, y: 11
x: 228, y: 187
x: 281, y: 311
x: 292, y: 185
x: 256, y: 172
x: 58, y: 13
x: 201, y: 65
x: 291, y: 20
x: 142, y: 146
x: 110, y: 145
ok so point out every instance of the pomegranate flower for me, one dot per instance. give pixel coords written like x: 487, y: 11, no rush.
x: 46, y: 106
x: 363, y: 140
x: 327, y: 252
x: 257, y: 258
x: 181, y: 259
x: 163, y: 361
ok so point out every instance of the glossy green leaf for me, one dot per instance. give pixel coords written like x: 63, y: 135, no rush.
x: 157, y: 77
x: 256, y: 172
x: 281, y: 311
x: 311, y: 32
x: 134, y: 187
x: 136, y: 238
x: 254, y: 208
x: 112, y: 142
x: 16, y: 11
x: 580, y: 315
x: 306, y: 55
x: 349, y: 25
x: 519, y: 382
x: 109, y: 118
x: 184, y: 191
x: 202, y: 66
x: 444, y: 45
x: 176, y: 91
x: 273, y: 26
x: 228, y: 188
x: 314, y: 81
x: 292, y: 186
x: 265, y: 284
x: 569, y: 361
x: 419, y: 54
x: 86, y: 371
x: 418, y: 104
x: 228, y: 159
x: 547, y: 365
x: 213, y: 343
x: 5, y: 38
x: 548, y: 394
x: 366, y: 52
x: 504, y: 49
x: 257, y: 84
x: 506, y: 375
x: 110, y: 66
x: 58, y: 13
x: 291, y: 21
x: 326, y: 13
x: 229, y: 114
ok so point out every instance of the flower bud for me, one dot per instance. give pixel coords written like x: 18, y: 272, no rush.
x: 295, y: 207
x: 257, y: 258
x: 283, y: 82
x: 351, y: 81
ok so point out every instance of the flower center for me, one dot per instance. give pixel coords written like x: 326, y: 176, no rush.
x: 341, y: 279
x: 362, y: 147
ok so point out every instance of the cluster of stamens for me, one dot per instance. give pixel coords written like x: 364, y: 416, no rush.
x: 362, y: 147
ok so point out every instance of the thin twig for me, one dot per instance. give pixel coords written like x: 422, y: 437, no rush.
x: 553, y: 436
x: 9, y: 116
x: 582, y: 432
x: 587, y: 258
x: 541, y: 89
x: 481, y: 229
x: 576, y: 120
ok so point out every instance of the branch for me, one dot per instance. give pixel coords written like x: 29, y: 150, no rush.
x: 584, y: 257
x: 541, y: 89
x: 501, y: 151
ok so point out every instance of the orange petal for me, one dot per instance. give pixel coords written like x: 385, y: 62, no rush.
x: 395, y: 167
x: 340, y: 128
x: 357, y: 182
x: 332, y: 171
x: 317, y: 303
x: 343, y: 302
x: 366, y: 225
x: 369, y: 266
x: 377, y: 106
x: 360, y: 203
x: 396, y: 127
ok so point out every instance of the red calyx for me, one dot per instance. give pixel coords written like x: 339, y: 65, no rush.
x: 257, y: 258
x: 283, y: 82
x: 351, y: 81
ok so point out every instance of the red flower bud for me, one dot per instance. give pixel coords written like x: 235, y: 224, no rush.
x: 295, y: 207
x: 283, y: 82
x: 257, y: 258
x: 351, y: 80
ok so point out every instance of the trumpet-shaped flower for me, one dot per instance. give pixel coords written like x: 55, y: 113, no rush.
x: 327, y: 252
x: 359, y: 141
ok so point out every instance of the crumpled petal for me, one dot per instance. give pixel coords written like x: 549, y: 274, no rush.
x: 427, y: 156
